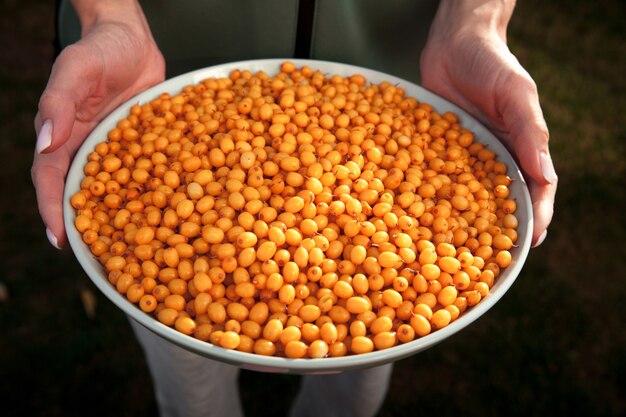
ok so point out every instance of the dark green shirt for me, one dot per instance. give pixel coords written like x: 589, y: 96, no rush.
x: 384, y: 35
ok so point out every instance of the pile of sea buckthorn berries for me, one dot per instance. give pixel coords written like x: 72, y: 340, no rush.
x: 299, y: 215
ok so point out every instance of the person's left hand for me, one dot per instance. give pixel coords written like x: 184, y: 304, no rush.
x: 470, y: 64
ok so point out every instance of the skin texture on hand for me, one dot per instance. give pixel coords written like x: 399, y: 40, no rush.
x: 466, y: 60
x: 115, y: 59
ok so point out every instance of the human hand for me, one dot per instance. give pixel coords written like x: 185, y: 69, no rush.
x: 115, y: 59
x: 466, y: 60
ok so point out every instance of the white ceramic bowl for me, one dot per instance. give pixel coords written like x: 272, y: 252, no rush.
x: 250, y: 361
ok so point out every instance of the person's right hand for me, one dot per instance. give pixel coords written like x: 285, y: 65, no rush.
x: 115, y: 59
x: 467, y: 61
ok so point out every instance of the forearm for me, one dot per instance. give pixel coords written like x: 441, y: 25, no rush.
x: 486, y: 16
x: 92, y: 12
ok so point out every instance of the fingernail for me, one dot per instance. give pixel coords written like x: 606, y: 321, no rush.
x: 542, y: 237
x: 547, y: 168
x: 44, y: 139
x: 52, y: 238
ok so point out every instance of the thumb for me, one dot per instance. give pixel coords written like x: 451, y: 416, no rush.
x: 529, y: 134
x: 54, y: 122
x: 74, y: 77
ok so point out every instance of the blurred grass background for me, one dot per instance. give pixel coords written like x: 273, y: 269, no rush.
x: 554, y: 345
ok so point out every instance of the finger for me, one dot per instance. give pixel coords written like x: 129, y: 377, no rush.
x: 543, y: 210
x: 48, y: 175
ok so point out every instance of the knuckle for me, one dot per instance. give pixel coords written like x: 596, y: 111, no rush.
x: 71, y: 52
x: 33, y: 173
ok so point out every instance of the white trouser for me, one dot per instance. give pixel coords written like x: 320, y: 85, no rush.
x: 190, y: 385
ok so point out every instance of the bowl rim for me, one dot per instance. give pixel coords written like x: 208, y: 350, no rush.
x: 275, y: 364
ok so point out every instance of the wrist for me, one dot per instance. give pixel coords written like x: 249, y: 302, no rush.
x: 477, y: 17
x: 94, y: 12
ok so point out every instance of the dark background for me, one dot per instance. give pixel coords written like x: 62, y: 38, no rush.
x: 554, y: 344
